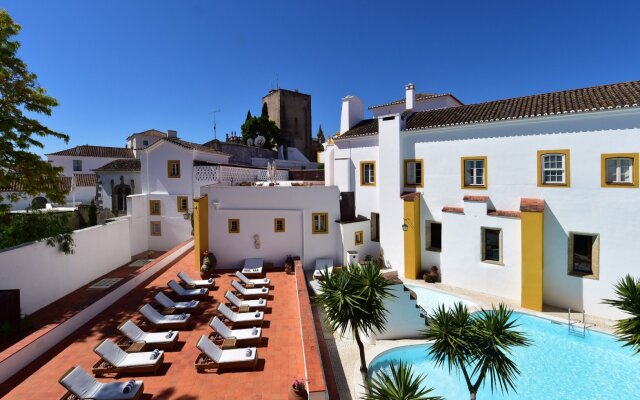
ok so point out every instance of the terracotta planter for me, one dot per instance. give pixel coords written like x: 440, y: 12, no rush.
x: 297, y: 394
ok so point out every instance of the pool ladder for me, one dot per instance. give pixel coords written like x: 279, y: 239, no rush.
x: 573, y: 324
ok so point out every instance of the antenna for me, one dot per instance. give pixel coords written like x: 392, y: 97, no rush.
x: 277, y: 82
x: 215, y: 131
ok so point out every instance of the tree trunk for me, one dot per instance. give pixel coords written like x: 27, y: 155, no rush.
x: 363, y: 361
x: 473, y: 395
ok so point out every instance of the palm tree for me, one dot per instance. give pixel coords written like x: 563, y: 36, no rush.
x: 353, y: 299
x: 400, y: 384
x: 628, y: 300
x: 479, y: 345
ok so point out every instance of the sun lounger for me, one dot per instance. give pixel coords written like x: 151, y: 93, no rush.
x: 155, y: 340
x: 253, y: 266
x: 182, y: 292
x: 193, y: 283
x: 245, y: 305
x: 242, y: 336
x: 115, y: 360
x: 174, y: 321
x: 171, y: 306
x: 321, y: 265
x: 252, y: 318
x: 214, y: 357
x: 84, y: 386
x: 250, y: 293
x: 249, y: 283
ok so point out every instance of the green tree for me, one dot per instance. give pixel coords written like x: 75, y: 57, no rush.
x: 262, y: 126
x: 248, y: 115
x: 479, y: 345
x: 320, y: 135
x: 398, y: 384
x: 353, y: 300
x: 627, y: 300
x: 93, y: 214
x: 20, y: 93
x: 34, y: 225
x: 265, y: 111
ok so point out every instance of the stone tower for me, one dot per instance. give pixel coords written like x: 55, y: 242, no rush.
x: 291, y: 111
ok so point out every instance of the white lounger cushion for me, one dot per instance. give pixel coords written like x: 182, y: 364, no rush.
x: 249, y: 292
x: 255, y: 316
x: 120, y: 358
x: 255, y: 282
x: 176, y: 287
x: 133, y: 332
x: 225, y: 356
x: 239, y: 334
x: 259, y: 303
x: 167, y: 302
x: 194, y: 282
x: 252, y: 266
x: 84, y: 386
x: 155, y: 317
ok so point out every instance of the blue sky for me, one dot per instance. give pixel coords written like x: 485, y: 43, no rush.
x: 123, y: 66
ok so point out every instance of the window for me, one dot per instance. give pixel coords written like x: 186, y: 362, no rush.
x: 434, y: 236
x: 367, y: 173
x: 156, y: 228
x: 375, y: 227
x: 474, y: 172
x: 154, y: 207
x: 145, y: 142
x: 584, y: 254
x: 492, y: 245
x: 359, y: 237
x: 77, y: 165
x: 234, y: 225
x: 620, y: 170
x: 319, y: 223
x: 279, y: 225
x: 173, y: 168
x: 183, y: 203
x: 413, y: 173
x: 553, y: 168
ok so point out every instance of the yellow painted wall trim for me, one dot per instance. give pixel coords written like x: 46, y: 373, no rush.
x: 412, y: 248
x: 603, y: 170
x: 567, y: 168
x: 362, y: 164
x: 200, y: 227
x: 532, y: 231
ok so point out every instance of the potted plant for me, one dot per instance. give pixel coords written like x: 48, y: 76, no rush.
x: 432, y: 275
x: 150, y: 254
x: 208, y: 264
x: 298, y: 390
x: 288, y: 264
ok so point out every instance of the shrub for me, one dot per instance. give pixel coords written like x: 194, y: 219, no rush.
x: 35, y: 225
x: 93, y: 214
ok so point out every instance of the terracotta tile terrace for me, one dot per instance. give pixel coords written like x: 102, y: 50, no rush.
x: 281, y: 352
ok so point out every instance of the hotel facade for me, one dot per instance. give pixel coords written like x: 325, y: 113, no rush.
x: 532, y: 199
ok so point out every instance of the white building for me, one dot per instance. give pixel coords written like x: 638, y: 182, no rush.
x: 528, y: 198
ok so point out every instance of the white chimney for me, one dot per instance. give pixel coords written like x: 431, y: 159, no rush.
x: 410, y: 93
x: 172, y: 134
x: 352, y: 113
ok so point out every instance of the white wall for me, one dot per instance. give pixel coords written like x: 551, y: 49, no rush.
x: 403, y: 318
x: 461, y: 263
x: 257, y: 206
x: 88, y: 163
x: 44, y: 274
x: 138, y: 213
x: 349, y: 242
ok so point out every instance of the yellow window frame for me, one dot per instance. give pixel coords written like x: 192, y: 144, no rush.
x: 324, y: 216
x: 170, y: 173
x: 603, y: 170
x: 485, y: 184
x: 567, y: 168
x: 152, y: 224
x: 362, y: 175
x: 230, y: 225
x: 182, y: 199
x: 358, y: 237
x: 282, y: 222
x: 152, y: 204
x: 406, y: 164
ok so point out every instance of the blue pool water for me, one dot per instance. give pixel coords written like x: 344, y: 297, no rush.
x: 558, y: 365
x: 430, y: 299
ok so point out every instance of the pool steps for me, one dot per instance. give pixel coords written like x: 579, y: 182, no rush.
x: 414, y: 297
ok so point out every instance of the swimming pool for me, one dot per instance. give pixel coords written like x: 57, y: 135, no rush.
x: 430, y: 299
x: 558, y: 365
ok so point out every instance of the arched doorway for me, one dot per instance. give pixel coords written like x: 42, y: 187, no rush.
x: 119, y: 195
x: 39, y: 203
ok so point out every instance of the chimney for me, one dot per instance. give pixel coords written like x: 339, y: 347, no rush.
x: 171, y: 133
x: 410, y: 94
x: 352, y: 113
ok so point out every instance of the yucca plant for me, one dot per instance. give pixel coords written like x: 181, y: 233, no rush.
x: 627, y: 291
x: 353, y: 300
x: 479, y: 345
x: 398, y: 384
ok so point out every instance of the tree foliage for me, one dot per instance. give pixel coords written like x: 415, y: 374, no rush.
x: 627, y: 300
x: 34, y: 225
x: 21, y: 96
x: 353, y: 300
x: 479, y: 345
x: 262, y: 125
x: 398, y: 384
x: 320, y: 135
x: 93, y: 213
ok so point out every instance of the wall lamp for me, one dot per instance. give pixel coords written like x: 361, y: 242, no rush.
x: 405, y: 227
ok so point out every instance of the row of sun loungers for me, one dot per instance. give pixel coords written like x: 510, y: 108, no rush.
x: 245, y: 329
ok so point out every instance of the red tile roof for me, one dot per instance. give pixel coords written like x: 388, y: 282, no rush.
x: 149, y: 132
x: 503, y: 213
x: 456, y: 210
x: 476, y: 198
x: 95, y: 151
x: 419, y: 97
x: 532, y: 205
x: 85, y: 180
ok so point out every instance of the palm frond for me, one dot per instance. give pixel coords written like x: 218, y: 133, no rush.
x: 627, y: 300
x: 398, y: 384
